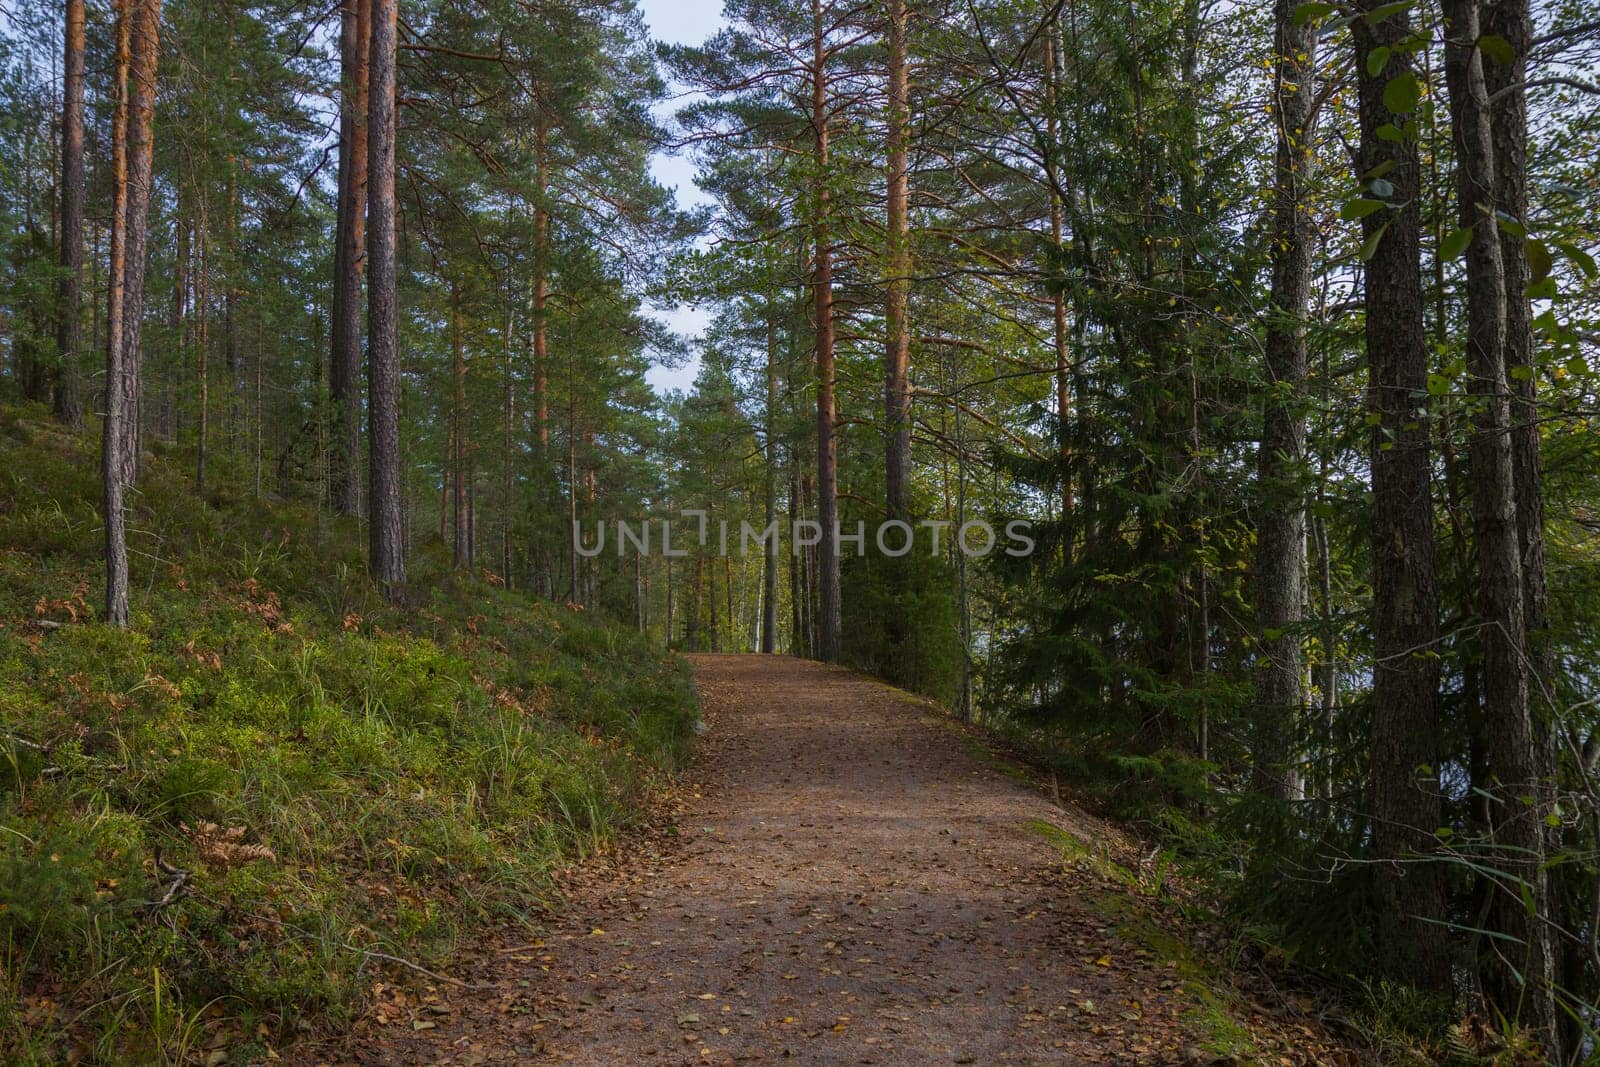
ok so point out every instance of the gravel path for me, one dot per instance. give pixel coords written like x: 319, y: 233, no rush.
x: 847, y: 881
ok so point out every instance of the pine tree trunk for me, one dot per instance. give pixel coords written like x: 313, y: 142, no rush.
x: 1511, y: 20
x: 1058, y: 295
x: 1281, y: 532
x: 118, y: 390
x: 1520, y: 977
x: 386, y: 530
x: 1405, y: 799
x: 344, y: 366
x: 828, y: 608
x: 897, y: 296
x: 541, y: 294
x: 769, y: 561
x: 461, y: 546
x: 202, y: 348
x: 508, y: 417
x: 144, y: 54
x: 69, y: 327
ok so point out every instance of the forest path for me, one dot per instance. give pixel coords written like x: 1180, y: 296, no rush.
x: 849, y: 880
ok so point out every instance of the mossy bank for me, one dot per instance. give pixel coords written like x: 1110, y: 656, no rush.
x: 212, y: 821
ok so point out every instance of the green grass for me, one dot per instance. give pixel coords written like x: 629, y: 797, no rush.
x: 335, y: 776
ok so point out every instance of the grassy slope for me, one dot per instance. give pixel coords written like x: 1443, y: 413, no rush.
x: 334, y: 775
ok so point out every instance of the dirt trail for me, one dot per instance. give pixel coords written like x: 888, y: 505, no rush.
x: 850, y: 882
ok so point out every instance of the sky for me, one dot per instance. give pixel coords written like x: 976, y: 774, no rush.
x: 680, y: 22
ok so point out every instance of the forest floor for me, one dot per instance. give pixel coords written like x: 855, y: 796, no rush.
x: 848, y: 877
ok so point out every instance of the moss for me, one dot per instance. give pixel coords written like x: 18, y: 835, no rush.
x: 1212, y: 1018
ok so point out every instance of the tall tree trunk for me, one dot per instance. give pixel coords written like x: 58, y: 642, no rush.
x: 461, y: 546
x: 508, y: 417
x: 344, y: 366
x: 386, y: 529
x: 1058, y: 294
x: 1520, y: 979
x: 769, y: 561
x: 828, y: 608
x: 1281, y: 532
x: 897, y: 295
x: 541, y: 293
x: 118, y: 389
x: 202, y: 346
x: 1512, y: 21
x: 69, y: 326
x: 230, y: 297
x: 1405, y: 800
x: 144, y: 54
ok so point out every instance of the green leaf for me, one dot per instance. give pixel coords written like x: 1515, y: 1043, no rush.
x: 1377, y: 59
x: 1402, y: 93
x: 1389, y: 132
x: 1306, y: 12
x: 1455, y: 243
x: 1577, y: 366
x: 1579, y: 258
x: 1360, y: 208
x: 1378, y: 14
x: 1498, y: 49
x: 1509, y: 224
x: 1543, y: 289
x: 1438, y: 385
x: 1369, y: 248
x: 1539, y: 261
x: 1521, y: 374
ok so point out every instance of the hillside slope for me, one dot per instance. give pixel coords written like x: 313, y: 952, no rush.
x: 219, y: 824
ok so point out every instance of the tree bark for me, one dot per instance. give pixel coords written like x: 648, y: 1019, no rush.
x: 897, y: 295
x: 117, y: 390
x: 1281, y: 531
x: 828, y: 607
x: 387, y: 550
x: 541, y: 295
x: 1520, y: 980
x: 344, y: 365
x: 769, y: 561
x: 1405, y: 798
x: 1058, y: 296
x: 69, y: 328
x: 144, y: 53
x: 1512, y: 21
x: 461, y: 553
x: 202, y: 346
